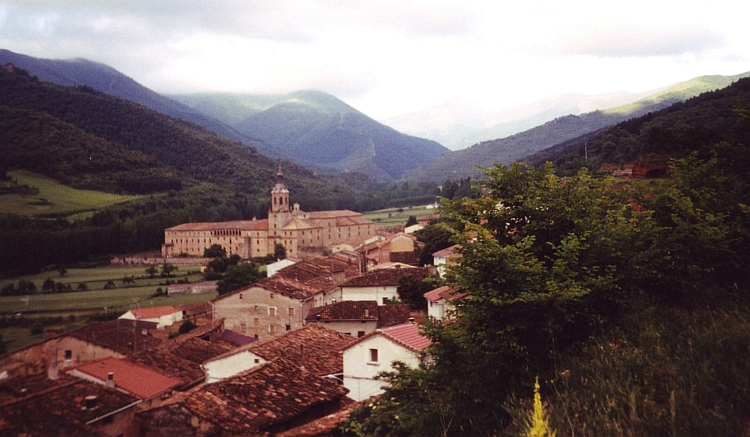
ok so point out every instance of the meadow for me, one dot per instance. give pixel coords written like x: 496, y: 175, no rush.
x: 391, y: 217
x: 55, y: 199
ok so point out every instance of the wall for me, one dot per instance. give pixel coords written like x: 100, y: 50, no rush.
x: 248, y: 312
x: 231, y: 365
x: 360, y: 372
x: 374, y: 292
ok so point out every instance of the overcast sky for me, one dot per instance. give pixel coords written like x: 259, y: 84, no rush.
x: 389, y: 57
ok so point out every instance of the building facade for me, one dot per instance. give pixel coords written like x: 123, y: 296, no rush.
x: 298, y: 231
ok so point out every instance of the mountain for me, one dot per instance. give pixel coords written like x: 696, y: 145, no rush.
x: 460, y: 123
x: 461, y: 164
x: 715, y: 124
x: 321, y: 131
x: 75, y: 72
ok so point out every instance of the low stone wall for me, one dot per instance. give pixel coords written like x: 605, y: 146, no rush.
x: 156, y: 261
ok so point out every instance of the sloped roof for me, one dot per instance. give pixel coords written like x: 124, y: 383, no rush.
x: 237, y: 338
x: 393, y: 314
x: 108, y: 335
x: 270, y: 394
x: 384, y: 315
x: 445, y: 292
x: 298, y: 223
x: 154, y: 312
x: 323, y: 427
x: 333, y: 214
x: 447, y: 252
x: 60, y: 410
x: 406, y: 335
x: 385, y: 277
x: 135, y: 379
x: 243, y: 225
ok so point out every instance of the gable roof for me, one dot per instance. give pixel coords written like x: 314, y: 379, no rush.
x: 153, y: 312
x: 244, y: 225
x: 60, y: 410
x: 406, y: 335
x: 135, y: 379
x: 385, y: 277
x: 445, y: 292
x: 270, y: 394
x: 384, y: 315
x: 110, y: 336
x: 447, y: 252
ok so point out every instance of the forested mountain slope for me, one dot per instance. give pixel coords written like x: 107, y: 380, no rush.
x: 460, y: 164
x: 321, y: 131
x: 700, y: 124
x: 76, y: 72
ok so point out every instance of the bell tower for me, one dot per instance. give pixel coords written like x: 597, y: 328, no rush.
x: 279, y: 194
x: 280, y: 213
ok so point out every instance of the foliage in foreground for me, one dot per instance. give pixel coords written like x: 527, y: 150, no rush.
x: 629, y: 305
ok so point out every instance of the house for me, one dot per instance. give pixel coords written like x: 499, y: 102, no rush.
x: 271, y: 306
x: 81, y: 345
x: 159, y: 317
x: 313, y: 348
x: 39, y: 407
x: 400, y: 247
x: 274, y: 267
x: 378, y: 285
x: 357, y: 318
x: 139, y: 381
x: 375, y: 352
x: 413, y: 228
x: 268, y: 399
x: 444, y: 258
x: 439, y: 301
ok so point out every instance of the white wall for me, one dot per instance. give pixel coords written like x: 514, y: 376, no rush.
x: 231, y: 365
x: 360, y: 372
x: 376, y: 293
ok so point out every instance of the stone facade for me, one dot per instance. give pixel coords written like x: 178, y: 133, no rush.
x: 299, y: 232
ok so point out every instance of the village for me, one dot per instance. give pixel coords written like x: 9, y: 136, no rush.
x: 290, y: 355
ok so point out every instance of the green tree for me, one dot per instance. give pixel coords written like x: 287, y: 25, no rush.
x: 238, y: 276
x: 48, y: 285
x: 412, y: 220
x: 215, y: 251
x: 279, y: 251
x: 82, y: 286
x: 151, y: 271
x: 167, y: 270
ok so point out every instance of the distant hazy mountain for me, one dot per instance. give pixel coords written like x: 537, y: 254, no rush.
x: 461, y: 163
x: 460, y: 123
x: 75, y: 72
x: 319, y: 130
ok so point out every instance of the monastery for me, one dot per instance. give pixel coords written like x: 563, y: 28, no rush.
x: 299, y: 232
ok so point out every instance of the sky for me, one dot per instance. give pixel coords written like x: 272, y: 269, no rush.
x: 387, y: 58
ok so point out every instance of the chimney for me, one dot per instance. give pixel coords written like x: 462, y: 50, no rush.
x: 367, y: 312
x: 89, y: 402
x: 52, y: 372
x: 111, y: 380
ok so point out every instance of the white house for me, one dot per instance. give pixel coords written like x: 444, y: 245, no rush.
x: 358, y: 318
x: 378, y: 285
x: 440, y: 301
x: 274, y: 267
x: 376, y: 352
x: 442, y: 258
x: 160, y: 316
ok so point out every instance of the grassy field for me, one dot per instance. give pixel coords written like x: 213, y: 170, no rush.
x: 390, y: 217
x: 120, y: 298
x: 54, y: 198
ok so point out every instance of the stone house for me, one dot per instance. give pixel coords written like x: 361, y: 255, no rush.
x: 358, y: 318
x: 378, y: 285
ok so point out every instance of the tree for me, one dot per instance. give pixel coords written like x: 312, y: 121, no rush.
x: 48, y: 285
x: 238, y: 276
x: 62, y: 271
x: 128, y: 279
x: 215, y: 251
x: 412, y: 220
x: 151, y: 271
x: 411, y: 291
x: 279, y: 251
x: 167, y: 269
x: 82, y: 286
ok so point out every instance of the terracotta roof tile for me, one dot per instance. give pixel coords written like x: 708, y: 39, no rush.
x: 138, y: 380
x: 323, y: 427
x: 384, y: 315
x: 394, y: 314
x: 268, y: 395
x: 447, y: 252
x: 406, y: 335
x: 108, y: 335
x: 244, y: 225
x: 445, y: 292
x: 154, y: 312
x: 60, y: 410
x: 385, y: 277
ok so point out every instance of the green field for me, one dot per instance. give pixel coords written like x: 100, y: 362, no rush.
x: 121, y: 298
x: 390, y: 217
x: 55, y: 199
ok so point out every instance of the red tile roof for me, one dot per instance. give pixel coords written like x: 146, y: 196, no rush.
x: 110, y: 336
x: 153, y: 313
x: 60, y: 410
x: 140, y: 381
x: 385, y: 277
x: 447, y: 252
x: 244, y: 225
x: 406, y: 335
x: 385, y: 315
x: 323, y: 427
x: 445, y: 292
x: 269, y: 395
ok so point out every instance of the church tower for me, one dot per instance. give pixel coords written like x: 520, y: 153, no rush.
x: 280, y: 212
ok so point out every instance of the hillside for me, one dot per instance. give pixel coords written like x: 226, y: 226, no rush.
x: 704, y: 124
x: 460, y: 164
x: 76, y: 72
x: 321, y: 131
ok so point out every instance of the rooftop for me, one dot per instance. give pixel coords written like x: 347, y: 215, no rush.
x: 447, y: 252
x: 138, y: 380
x: 108, y: 335
x: 152, y: 313
x: 445, y: 292
x: 385, y: 277
x: 384, y: 315
x: 242, y: 225
x: 406, y: 335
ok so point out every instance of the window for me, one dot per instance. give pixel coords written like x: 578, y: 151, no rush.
x: 271, y: 329
x: 257, y: 360
x: 255, y: 321
x: 291, y: 311
x: 68, y: 354
x: 360, y: 334
x: 288, y: 327
x: 373, y: 355
x: 272, y: 311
